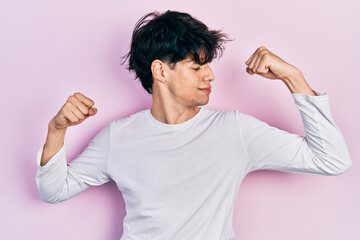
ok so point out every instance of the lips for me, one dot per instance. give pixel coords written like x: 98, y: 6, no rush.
x: 207, y: 90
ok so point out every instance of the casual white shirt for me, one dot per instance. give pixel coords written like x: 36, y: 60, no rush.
x: 180, y: 181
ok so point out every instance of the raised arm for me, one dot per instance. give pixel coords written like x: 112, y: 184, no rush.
x: 58, y: 180
x: 322, y: 152
x: 76, y: 109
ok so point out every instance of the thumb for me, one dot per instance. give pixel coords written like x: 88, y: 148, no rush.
x: 269, y: 75
x: 249, y: 71
x: 92, y: 111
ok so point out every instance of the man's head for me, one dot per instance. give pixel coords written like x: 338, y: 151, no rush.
x: 172, y: 38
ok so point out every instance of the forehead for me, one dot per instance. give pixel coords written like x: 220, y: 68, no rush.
x: 190, y: 59
x: 186, y: 63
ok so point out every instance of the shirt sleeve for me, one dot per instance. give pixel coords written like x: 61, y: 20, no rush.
x: 322, y: 152
x: 58, y: 181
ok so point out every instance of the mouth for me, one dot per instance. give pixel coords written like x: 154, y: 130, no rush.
x: 207, y: 90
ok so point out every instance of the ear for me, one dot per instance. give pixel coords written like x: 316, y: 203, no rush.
x: 158, y: 70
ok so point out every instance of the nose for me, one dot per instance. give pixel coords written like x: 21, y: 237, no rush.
x: 209, y: 75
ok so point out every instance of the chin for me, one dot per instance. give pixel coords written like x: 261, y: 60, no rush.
x: 202, y: 103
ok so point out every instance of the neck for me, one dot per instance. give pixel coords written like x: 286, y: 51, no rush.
x: 169, y: 111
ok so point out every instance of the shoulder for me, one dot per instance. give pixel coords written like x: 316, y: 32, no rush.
x: 234, y: 116
x: 124, y: 122
x: 222, y: 116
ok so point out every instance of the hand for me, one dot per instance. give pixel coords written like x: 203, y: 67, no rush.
x: 266, y: 64
x: 76, y: 109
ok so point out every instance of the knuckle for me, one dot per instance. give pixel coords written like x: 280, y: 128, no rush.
x: 81, y: 116
x: 73, y: 118
x: 71, y: 98
x: 84, y: 110
x: 67, y: 105
x: 64, y: 109
x: 266, y: 55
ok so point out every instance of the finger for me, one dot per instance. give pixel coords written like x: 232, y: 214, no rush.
x: 269, y: 75
x: 250, y: 58
x: 249, y: 71
x: 87, y: 101
x: 264, y: 69
x: 81, y: 106
x: 78, y: 114
x: 92, y: 111
x: 260, y: 65
x: 71, y: 112
x: 259, y: 60
x: 252, y: 62
x: 70, y: 116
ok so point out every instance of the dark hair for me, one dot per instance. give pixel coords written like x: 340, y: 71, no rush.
x: 170, y: 37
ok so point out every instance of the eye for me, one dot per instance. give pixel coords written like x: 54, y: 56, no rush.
x: 196, y: 69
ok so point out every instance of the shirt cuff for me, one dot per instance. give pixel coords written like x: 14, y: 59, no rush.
x: 52, y: 160
x: 322, y: 96
x: 319, y: 93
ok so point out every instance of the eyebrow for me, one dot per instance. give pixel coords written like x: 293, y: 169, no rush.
x: 192, y: 62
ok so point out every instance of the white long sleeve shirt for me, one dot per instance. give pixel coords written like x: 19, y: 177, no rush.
x: 180, y: 181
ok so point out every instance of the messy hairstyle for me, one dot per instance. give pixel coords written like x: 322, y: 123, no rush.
x: 171, y: 37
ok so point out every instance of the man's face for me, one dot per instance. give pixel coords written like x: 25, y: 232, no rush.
x: 189, y: 83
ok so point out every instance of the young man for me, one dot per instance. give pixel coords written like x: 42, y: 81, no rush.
x: 179, y: 166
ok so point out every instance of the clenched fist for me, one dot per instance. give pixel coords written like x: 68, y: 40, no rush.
x: 266, y: 64
x: 76, y: 109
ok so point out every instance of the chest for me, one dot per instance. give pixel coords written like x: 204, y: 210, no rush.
x: 160, y: 162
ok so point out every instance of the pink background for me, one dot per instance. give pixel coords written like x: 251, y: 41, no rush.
x: 51, y: 49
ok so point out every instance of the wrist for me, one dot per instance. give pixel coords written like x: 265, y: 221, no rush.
x: 54, y: 142
x: 293, y: 75
x: 296, y: 83
x: 53, y: 129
